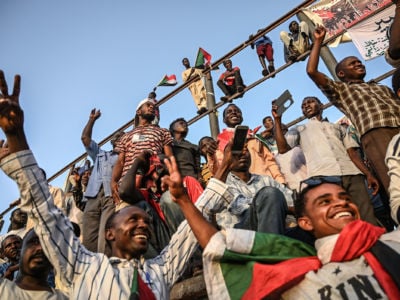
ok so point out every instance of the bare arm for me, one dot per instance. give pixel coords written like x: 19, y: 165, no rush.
x: 87, y: 130
x: 115, y: 177
x: 201, y: 228
x: 127, y: 190
x: 394, y: 41
x: 312, y: 64
x: 168, y: 150
x: 281, y: 142
x: 223, y: 170
x: 356, y: 159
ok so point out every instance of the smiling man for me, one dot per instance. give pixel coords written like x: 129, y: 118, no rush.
x: 84, y: 274
x: 262, y: 160
x: 348, y: 249
x: 354, y: 259
x: 373, y: 108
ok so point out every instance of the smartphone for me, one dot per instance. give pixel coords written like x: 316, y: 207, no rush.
x: 239, y: 138
x: 283, y: 102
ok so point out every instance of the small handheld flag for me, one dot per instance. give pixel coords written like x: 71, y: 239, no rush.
x: 167, y: 81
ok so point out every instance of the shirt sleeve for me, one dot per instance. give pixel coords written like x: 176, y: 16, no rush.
x: 92, y: 150
x: 167, y: 138
x: 54, y: 230
x: 292, y: 138
x: 330, y: 90
x: 349, y: 141
x: 119, y: 146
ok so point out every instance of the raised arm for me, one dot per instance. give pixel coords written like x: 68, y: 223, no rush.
x: 226, y: 165
x: 87, y: 130
x: 281, y: 142
x: 312, y: 64
x: 127, y: 190
x: 53, y: 228
x: 12, y: 116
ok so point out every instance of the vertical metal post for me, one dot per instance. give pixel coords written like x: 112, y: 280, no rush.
x: 212, y: 117
x: 326, y: 54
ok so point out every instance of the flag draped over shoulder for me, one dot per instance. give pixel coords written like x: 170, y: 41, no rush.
x: 266, y: 265
x: 231, y: 274
x: 168, y: 81
x: 203, y: 58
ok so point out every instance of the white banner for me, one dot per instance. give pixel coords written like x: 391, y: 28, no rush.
x: 371, y: 35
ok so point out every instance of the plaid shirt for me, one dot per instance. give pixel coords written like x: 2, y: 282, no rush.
x: 367, y: 105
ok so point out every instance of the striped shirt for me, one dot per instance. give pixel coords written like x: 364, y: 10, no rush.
x: 150, y: 138
x: 367, y: 105
x: 87, y: 275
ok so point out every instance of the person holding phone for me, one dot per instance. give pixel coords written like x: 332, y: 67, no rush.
x: 255, y: 202
x: 262, y: 159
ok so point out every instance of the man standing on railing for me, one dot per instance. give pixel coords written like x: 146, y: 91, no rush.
x: 100, y: 205
x: 196, y: 88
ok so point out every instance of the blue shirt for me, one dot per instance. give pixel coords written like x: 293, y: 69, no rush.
x: 102, y: 170
x: 262, y: 41
x: 3, y: 268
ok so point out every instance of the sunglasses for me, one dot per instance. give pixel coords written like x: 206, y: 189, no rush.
x: 317, y: 180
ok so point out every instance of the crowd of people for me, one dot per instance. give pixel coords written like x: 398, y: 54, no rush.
x: 291, y: 215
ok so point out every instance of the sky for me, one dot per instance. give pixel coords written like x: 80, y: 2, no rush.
x: 81, y: 54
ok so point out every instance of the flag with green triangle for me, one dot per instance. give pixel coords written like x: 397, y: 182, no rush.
x: 168, y: 80
x: 232, y: 275
x: 203, y: 58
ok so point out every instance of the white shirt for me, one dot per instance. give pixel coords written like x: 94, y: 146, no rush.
x: 324, y: 145
x: 88, y: 275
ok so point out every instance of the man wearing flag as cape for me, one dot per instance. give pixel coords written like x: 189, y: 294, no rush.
x: 355, y: 260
